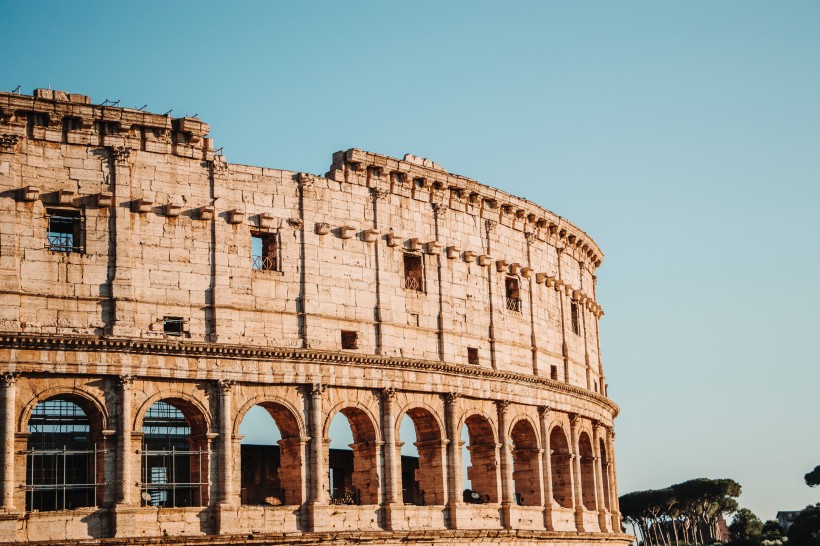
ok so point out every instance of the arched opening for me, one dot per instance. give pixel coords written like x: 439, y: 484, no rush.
x: 65, y: 455
x: 482, y: 472
x: 271, y: 455
x: 526, y: 474
x: 561, y: 465
x: 587, y: 471
x: 605, y: 474
x: 174, y: 455
x: 353, y: 467
x: 422, y: 459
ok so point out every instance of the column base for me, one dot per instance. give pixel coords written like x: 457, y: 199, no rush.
x: 126, y: 522
x: 579, y: 519
x: 506, y: 515
x: 395, y: 518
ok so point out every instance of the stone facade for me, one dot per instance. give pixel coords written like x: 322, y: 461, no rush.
x: 138, y: 267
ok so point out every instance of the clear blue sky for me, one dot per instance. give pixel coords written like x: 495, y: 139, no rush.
x: 683, y: 136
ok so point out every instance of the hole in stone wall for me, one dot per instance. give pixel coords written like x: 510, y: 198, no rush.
x: 472, y: 355
x: 350, y: 340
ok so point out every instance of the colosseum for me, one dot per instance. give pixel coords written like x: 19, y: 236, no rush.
x: 153, y: 295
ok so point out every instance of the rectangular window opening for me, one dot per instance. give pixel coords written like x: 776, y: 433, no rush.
x: 513, y: 294
x: 554, y: 373
x: 350, y: 340
x: 173, y: 326
x: 374, y: 172
x: 413, y: 272
x: 264, y: 252
x: 472, y: 355
x: 576, y: 319
x: 64, y: 230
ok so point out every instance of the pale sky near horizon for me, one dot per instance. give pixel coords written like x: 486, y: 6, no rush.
x: 684, y: 137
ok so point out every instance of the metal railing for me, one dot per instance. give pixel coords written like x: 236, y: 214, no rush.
x: 514, y: 304
x: 50, y: 476
x: 263, y: 263
x: 413, y: 283
x: 61, y: 242
x: 162, y: 488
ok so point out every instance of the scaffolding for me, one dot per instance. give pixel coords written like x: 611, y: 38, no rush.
x: 62, y: 465
x: 172, y: 468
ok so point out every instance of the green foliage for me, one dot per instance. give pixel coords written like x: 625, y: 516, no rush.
x: 746, y: 528
x: 772, y: 530
x: 813, y: 477
x: 805, y: 531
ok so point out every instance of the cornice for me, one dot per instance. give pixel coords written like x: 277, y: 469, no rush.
x: 243, y: 352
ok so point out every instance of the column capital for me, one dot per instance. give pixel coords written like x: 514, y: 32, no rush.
x: 490, y: 225
x: 502, y: 405
x: 440, y: 210
x: 121, y: 154
x: 225, y: 385
x: 451, y: 398
x: 574, y: 419
x: 9, y: 378
x: 125, y: 382
x: 544, y: 411
x: 315, y: 390
x: 388, y: 394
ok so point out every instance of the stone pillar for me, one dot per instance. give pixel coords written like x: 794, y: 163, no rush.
x: 507, y: 484
x: 543, y: 414
x: 562, y: 305
x: 227, y: 492
x: 453, y: 458
x: 392, y: 473
x: 9, y: 388
x: 124, y: 451
x: 121, y: 229
x: 318, y: 471
x: 574, y: 423
x: 600, y: 502
x: 614, y: 508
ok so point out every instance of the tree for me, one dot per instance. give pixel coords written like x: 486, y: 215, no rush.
x: 772, y: 530
x: 805, y: 531
x: 746, y: 528
x: 813, y: 477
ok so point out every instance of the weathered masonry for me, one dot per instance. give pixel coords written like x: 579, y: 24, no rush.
x: 152, y: 294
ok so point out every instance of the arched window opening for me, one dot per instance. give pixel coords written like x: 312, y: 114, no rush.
x: 526, y: 473
x: 482, y: 472
x: 271, y: 456
x: 605, y: 474
x: 353, y: 469
x: 422, y: 459
x: 64, y: 457
x: 587, y: 472
x: 561, y: 467
x: 174, y: 456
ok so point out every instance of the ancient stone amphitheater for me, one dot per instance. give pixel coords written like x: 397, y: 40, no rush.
x: 153, y: 294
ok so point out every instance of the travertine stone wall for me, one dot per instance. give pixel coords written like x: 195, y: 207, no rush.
x: 164, y: 229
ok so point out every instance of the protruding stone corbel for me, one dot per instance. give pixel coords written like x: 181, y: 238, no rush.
x: 577, y: 295
x: 515, y: 268
x: 540, y: 278
x: 500, y: 265
x: 346, y: 232
x: 484, y: 260
x: 469, y: 256
x: 568, y: 289
x: 30, y: 193
x: 413, y: 244
x: 266, y: 220
x: 295, y: 223
x: 174, y: 207
x: 143, y: 204
x: 392, y: 239
x: 433, y: 247
x: 452, y: 252
x: 322, y: 228
x: 557, y: 284
x: 205, y: 212
x: 105, y: 199
x: 370, y: 235
x: 236, y: 216
x: 65, y: 197
x: 526, y: 272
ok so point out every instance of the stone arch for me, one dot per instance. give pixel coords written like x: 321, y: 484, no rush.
x: 587, y: 476
x: 194, y: 410
x: 94, y: 408
x: 526, y: 468
x: 430, y: 443
x: 175, y: 450
x: 561, y: 464
x: 357, y: 483
x: 605, y: 473
x: 64, y: 460
x: 483, y: 448
x: 273, y: 474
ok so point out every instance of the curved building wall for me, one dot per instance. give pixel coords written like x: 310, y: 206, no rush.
x: 138, y: 267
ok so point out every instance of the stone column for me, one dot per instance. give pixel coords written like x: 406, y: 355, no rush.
x: 507, y: 484
x: 453, y: 458
x: 600, y: 502
x: 124, y: 451
x: 392, y: 474
x: 562, y: 305
x: 227, y: 492
x: 121, y: 230
x: 9, y: 388
x: 317, y: 462
x: 614, y: 508
x: 543, y: 414
x: 574, y: 423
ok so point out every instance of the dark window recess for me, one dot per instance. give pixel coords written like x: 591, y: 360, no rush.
x: 374, y: 172
x: 64, y: 230
x: 263, y: 252
x: 554, y: 373
x: 413, y: 273
x: 398, y: 178
x: 595, y: 386
x: 35, y: 119
x: 72, y: 124
x: 576, y: 318
x: 173, y: 326
x: 107, y: 128
x: 350, y: 340
x: 472, y: 355
x: 513, y: 294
